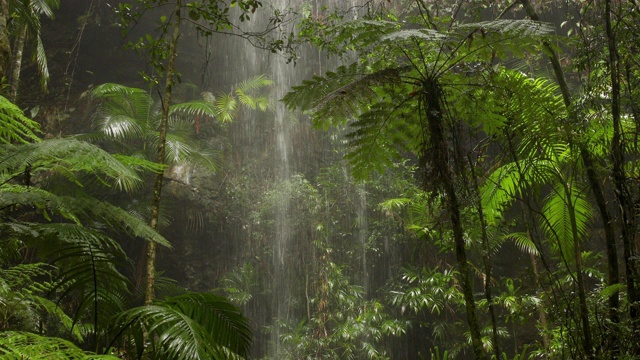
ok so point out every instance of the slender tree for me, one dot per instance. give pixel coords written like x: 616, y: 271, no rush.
x: 26, y: 21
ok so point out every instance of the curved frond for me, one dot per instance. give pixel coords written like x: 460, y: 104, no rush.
x: 200, y: 108
x: 190, y: 326
x: 41, y: 60
x: 341, y: 94
x: 407, y: 34
x: 78, y: 210
x: 524, y: 242
x: 510, y: 26
x: 14, y: 126
x: 45, y: 7
x: 68, y: 156
x: 560, y: 210
x: 24, y: 345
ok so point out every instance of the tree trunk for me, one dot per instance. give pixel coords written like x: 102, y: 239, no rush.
x: 162, y: 137
x: 5, y: 46
x: 16, y: 63
x: 486, y: 260
x: 439, y: 153
x: 592, y: 178
x: 623, y: 195
x: 587, y: 342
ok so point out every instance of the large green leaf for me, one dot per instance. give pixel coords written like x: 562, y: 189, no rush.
x: 189, y: 326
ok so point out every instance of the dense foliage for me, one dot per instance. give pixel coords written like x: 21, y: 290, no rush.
x: 450, y: 180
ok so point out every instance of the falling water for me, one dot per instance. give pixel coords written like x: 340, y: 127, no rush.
x: 363, y: 232
x: 273, y: 134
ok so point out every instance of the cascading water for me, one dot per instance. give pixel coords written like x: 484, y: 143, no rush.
x: 284, y: 152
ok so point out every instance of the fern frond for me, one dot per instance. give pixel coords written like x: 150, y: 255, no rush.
x: 24, y: 345
x: 69, y: 156
x: 14, y: 126
x: 341, y: 94
x: 77, y: 209
x: 409, y: 34
x: 510, y: 26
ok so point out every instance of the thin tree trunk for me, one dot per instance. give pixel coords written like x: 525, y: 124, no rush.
x: 587, y: 342
x: 5, y: 46
x: 592, y: 178
x: 541, y: 312
x: 16, y: 64
x: 486, y: 259
x: 162, y: 137
x: 440, y: 159
x: 623, y: 195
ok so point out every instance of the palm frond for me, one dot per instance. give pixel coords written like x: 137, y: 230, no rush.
x: 560, y: 210
x: 45, y: 7
x: 88, y: 263
x: 199, y: 108
x: 524, y: 242
x: 226, y: 107
x: 254, y: 83
x: 190, y: 326
x: 229, y: 328
x: 41, y: 59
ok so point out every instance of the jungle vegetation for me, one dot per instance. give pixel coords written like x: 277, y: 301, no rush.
x: 463, y: 185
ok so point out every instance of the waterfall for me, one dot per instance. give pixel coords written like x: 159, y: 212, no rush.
x: 264, y: 142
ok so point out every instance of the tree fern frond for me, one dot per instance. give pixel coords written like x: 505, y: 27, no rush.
x: 408, y: 34
x: 69, y: 156
x: 510, y: 26
x: 54, y: 310
x: 76, y: 209
x: 14, y: 126
x: 341, y: 94
x: 24, y: 345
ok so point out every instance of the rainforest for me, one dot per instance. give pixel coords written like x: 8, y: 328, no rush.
x: 319, y: 179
